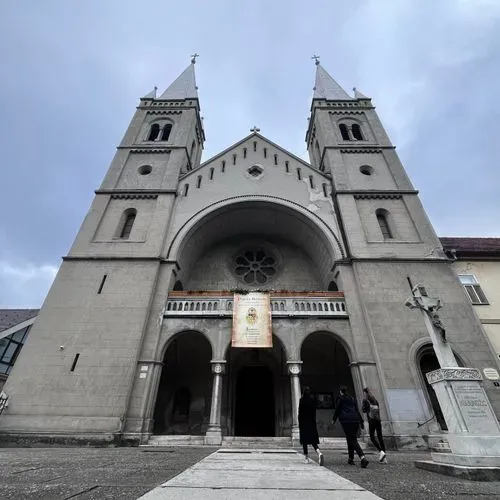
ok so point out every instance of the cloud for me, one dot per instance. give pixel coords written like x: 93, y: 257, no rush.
x: 24, y: 285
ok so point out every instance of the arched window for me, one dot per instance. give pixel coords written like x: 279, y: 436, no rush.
x: 178, y: 286
x: 128, y: 222
x: 332, y: 287
x: 356, y: 132
x: 192, y: 150
x: 166, y: 132
x: 154, y: 131
x: 382, y: 218
x: 344, y: 132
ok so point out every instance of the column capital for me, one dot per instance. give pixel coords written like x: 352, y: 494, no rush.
x: 294, y: 367
x: 218, y: 366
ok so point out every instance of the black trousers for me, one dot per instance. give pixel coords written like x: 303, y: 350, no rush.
x: 376, y: 426
x: 351, y: 436
x: 304, y: 447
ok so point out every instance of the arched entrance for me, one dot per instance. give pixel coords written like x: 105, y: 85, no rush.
x: 325, y: 368
x: 257, y: 398
x: 184, y: 392
x: 428, y: 362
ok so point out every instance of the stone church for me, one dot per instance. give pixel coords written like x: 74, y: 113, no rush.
x: 134, y: 337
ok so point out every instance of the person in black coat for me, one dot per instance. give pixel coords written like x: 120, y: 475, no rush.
x: 371, y: 407
x: 347, y: 413
x: 307, y: 424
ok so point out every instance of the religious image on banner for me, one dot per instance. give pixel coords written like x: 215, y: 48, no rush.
x: 252, y: 320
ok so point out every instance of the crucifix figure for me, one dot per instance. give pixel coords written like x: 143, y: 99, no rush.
x: 255, y: 129
x: 316, y: 59
x: 193, y: 57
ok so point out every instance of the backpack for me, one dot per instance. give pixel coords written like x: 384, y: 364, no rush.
x: 374, y: 413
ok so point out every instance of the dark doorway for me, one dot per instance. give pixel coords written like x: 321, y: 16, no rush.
x: 254, y: 411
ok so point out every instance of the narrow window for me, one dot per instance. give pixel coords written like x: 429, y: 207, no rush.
x: 384, y: 224
x: 299, y: 174
x: 128, y: 222
x: 75, y: 361
x: 186, y: 189
x: 254, y: 146
x: 265, y: 152
x: 154, y: 132
x: 198, y: 183
x: 178, y: 286
x: 318, y: 155
x: 234, y: 159
x: 166, y: 132
x: 332, y: 287
x: 311, y: 181
x: 193, y: 144
x: 325, y: 193
x: 211, y: 174
x: 356, y: 132
x: 244, y: 152
x: 102, y: 283
x: 473, y: 289
x: 287, y: 167
x: 344, y: 132
x: 275, y: 159
x: 223, y: 167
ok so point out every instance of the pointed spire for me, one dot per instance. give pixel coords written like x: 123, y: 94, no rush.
x: 327, y: 88
x: 358, y: 94
x: 184, y: 87
x: 152, y: 94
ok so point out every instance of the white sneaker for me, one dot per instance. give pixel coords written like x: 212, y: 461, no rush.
x: 306, y: 460
x: 320, y: 458
x: 381, y: 456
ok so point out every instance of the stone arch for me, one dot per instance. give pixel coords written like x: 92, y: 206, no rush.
x: 184, y: 390
x: 326, y: 366
x: 285, y: 219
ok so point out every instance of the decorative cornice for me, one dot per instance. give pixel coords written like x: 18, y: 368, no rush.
x: 350, y: 112
x: 378, y: 196
x: 358, y: 150
x: 454, y: 374
x: 164, y: 112
x: 154, y: 192
x: 376, y: 191
x: 153, y: 151
x: 132, y: 196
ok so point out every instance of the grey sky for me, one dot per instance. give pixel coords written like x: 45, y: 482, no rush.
x: 72, y: 73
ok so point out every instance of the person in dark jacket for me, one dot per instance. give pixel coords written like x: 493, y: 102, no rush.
x: 370, y: 406
x: 307, y: 424
x: 347, y: 413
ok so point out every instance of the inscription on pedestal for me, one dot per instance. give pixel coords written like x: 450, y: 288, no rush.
x: 474, y: 407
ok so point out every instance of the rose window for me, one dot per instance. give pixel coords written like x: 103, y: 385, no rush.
x: 255, y: 267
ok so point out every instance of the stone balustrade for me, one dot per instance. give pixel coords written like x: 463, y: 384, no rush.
x: 283, y: 304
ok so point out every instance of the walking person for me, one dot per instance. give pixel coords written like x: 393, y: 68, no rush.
x: 347, y: 413
x: 370, y: 406
x: 307, y: 425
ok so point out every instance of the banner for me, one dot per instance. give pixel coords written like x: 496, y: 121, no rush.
x: 252, y: 320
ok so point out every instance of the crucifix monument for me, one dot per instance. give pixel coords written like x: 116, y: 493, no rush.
x: 473, y: 430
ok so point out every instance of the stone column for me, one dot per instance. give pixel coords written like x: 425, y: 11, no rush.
x: 294, y: 369
x: 214, y: 431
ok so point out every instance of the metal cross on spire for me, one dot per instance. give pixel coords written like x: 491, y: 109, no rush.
x: 193, y: 57
x: 255, y: 129
x: 316, y: 59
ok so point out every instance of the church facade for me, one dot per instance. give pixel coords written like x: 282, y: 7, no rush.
x: 134, y: 337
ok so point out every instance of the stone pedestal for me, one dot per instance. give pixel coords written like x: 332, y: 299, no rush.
x: 213, y: 435
x: 473, y: 431
x: 294, y: 369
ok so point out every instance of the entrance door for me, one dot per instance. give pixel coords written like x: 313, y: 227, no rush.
x: 254, y: 411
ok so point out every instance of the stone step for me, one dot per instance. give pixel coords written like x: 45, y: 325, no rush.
x: 256, y: 442
x: 175, y: 440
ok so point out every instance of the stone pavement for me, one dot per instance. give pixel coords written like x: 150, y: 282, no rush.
x: 54, y: 473
x: 263, y: 474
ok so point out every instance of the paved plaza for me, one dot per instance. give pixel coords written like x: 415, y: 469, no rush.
x: 129, y: 473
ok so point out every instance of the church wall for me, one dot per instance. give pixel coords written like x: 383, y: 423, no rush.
x: 383, y: 290
x: 381, y: 177
x: 104, y: 329
x: 215, y: 270
x: 131, y: 178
